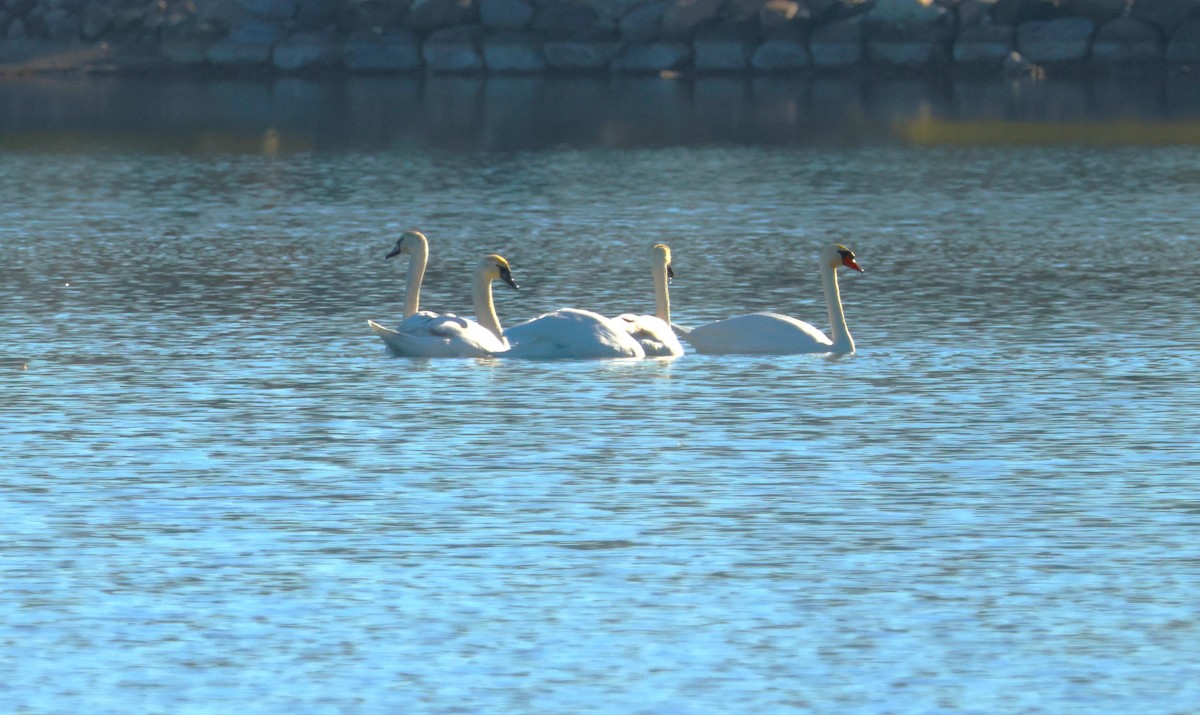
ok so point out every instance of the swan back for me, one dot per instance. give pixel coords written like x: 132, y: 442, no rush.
x: 571, y: 333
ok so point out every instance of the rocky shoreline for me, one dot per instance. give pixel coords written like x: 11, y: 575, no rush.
x: 237, y: 37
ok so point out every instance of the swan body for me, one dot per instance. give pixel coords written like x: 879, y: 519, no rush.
x: 571, y: 333
x: 653, y: 332
x: 775, y: 334
x: 426, y: 334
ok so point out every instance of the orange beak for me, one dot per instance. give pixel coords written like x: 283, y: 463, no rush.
x: 849, y: 262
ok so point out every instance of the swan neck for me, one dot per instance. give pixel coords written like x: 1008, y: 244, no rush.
x: 485, y: 308
x: 416, y: 274
x: 662, y: 299
x: 839, y: 333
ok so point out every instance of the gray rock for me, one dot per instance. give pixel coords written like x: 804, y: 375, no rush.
x: 781, y: 53
x: 1166, y: 15
x: 984, y: 44
x: 652, y: 57
x: 514, y: 52
x: 682, y: 17
x: 315, y: 14
x: 250, y: 43
x: 579, y: 54
x: 1018, y: 12
x: 1184, y: 45
x: 1128, y: 40
x: 305, y: 51
x: 565, y: 21
x: 96, y: 19
x: 396, y: 50
x: 777, y: 15
x: 723, y: 48
x: 454, y: 49
x: 1098, y: 11
x: 1065, y: 40
x: 909, y: 46
x: 272, y: 10
x: 972, y: 13
x: 906, y: 12
x: 505, y: 14
x: 644, y: 23
x: 433, y: 14
x: 369, y: 15
x: 838, y: 44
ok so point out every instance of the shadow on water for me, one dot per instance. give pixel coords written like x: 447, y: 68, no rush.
x: 532, y: 113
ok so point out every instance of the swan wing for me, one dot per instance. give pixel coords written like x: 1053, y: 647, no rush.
x: 652, y: 333
x: 571, y: 333
x: 431, y: 335
x: 758, y: 334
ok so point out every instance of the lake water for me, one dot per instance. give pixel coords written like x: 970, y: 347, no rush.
x: 219, y: 493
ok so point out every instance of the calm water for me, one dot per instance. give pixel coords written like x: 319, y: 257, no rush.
x: 219, y: 493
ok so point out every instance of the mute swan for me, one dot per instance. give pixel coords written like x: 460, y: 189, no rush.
x: 774, y: 334
x: 653, y: 332
x: 427, y: 334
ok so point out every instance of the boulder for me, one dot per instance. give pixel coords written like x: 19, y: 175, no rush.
x: 1018, y: 12
x: 96, y: 19
x: 1184, y: 45
x: 909, y: 46
x: 973, y: 13
x: 1098, y: 11
x: 984, y: 44
x: 838, y: 44
x: 368, y: 15
x: 564, y: 20
x: 454, y: 49
x: 312, y: 15
x: 396, y: 50
x: 652, y: 57
x: 825, y: 12
x: 682, y: 17
x: 723, y: 48
x: 514, y: 52
x: 1065, y: 40
x: 579, y: 54
x: 276, y: 11
x: 1166, y: 15
x: 1127, y: 40
x: 505, y: 14
x: 906, y: 12
x: 783, y: 51
x: 250, y: 43
x: 644, y: 23
x: 425, y: 15
x: 305, y: 51
x: 778, y: 15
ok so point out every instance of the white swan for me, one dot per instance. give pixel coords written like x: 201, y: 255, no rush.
x: 653, y: 332
x: 427, y: 334
x: 774, y: 334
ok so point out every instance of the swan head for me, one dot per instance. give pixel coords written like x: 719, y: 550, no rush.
x: 495, y: 267
x: 407, y: 244
x: 835, y: 254
x: 662, y: 256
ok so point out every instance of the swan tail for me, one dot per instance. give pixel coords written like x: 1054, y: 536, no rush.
x: 681, y: 329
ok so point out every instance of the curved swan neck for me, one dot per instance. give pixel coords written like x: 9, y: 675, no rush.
x: 662, y: 299
x: 418, y: 259
x: 839, y: 333
x: 485, y: 308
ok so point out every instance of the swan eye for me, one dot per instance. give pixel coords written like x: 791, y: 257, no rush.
x: 670, y: 271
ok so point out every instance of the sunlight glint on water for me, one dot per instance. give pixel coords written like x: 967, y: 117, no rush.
x: 219, y: 491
